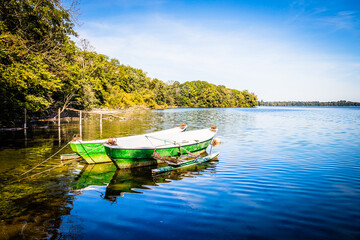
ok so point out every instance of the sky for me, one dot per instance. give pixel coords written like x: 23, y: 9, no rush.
x: 302, y: 50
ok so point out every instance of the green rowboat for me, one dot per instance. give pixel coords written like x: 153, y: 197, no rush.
x: 94, y: 152
x: 185, y: 164
x: 139, y: 151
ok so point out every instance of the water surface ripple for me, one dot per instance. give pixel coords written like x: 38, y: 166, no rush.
x: 282, y: 173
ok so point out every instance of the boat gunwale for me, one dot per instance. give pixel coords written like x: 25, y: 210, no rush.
x: 103, y: 141
x: 150, y: 148
x: 166, y: 146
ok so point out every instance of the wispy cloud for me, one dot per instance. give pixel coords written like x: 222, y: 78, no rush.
x: 273, y: 67
x: 324, y: 16
x: 347, y: 20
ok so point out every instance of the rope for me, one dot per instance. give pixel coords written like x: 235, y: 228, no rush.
x: 86, y: 152
x: 174, y: 142
x: 158, y: 157
x: 147, y: 138
x: 72, y: 160
x: 161, y: 139
x: 91, y: 151
x: 61, y: 164
x: 45, y: 159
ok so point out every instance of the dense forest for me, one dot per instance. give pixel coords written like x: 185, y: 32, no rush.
x: 42, y: 68
x: 341, y: 103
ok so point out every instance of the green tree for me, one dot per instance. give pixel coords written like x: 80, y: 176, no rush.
x: 33, y: 35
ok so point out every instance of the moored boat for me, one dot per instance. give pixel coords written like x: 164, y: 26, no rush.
x: 189, y: 163
x: 94, y: 152
x: 138, y: 151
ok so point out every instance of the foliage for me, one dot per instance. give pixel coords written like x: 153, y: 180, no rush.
x: 204, y: 94
x: 33, y: 40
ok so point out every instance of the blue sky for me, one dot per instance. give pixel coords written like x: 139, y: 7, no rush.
x: 281, y: 50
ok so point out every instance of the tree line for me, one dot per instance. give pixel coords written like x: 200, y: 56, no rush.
x: 41, y: 68
x: 341, y: 103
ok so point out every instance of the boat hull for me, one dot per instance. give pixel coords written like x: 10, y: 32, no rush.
x: 92, y: 153
x: 129, y: 158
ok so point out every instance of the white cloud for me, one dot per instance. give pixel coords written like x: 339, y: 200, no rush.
x: 271, y: 66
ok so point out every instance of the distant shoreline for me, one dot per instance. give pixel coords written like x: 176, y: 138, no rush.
x: 341, y: 103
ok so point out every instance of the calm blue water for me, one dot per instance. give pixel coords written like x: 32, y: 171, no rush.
x: 282, y: 173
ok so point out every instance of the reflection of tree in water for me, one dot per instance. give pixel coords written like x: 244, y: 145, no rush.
x: 33, y: 208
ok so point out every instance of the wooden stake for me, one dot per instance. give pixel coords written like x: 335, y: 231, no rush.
x: 100, y: 125
x: 59, y: 117
x: 59, y: 132
x: 80, y: 124
x: 25, y: 134
x: 25, y: 118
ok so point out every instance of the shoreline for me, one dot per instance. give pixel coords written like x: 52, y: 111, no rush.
x: 113, y: 113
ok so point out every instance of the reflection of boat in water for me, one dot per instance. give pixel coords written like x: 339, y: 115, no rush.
x: 94, y: 175
x: 127, y: 180
x: 118, y: 182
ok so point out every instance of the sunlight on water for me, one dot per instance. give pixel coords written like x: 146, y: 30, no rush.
x: 282, y: 173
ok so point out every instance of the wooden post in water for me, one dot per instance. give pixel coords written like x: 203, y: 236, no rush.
x: 80, y: 124
x: 100, y: 125
x: 25, y: 127
x: 59, y: 130
x: 59, y: 117
x: 25, y: 118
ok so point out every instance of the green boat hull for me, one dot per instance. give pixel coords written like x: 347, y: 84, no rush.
x: 129, y: 158
x: 92, y: 153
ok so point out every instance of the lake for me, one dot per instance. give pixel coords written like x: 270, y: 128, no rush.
x: 282, y: 173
